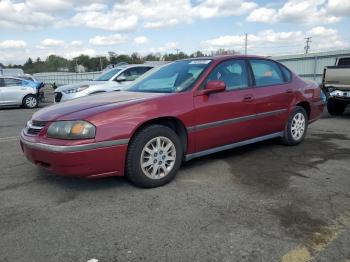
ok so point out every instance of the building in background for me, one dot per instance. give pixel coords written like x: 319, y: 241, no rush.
x: 310, y: 66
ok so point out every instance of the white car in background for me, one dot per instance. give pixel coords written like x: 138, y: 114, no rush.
x: 112, y: 80
x: 15, y: 91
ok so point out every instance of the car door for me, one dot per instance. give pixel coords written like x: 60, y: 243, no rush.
x: 273, y: 95
x: 225, y: 117
x: 13, y: 91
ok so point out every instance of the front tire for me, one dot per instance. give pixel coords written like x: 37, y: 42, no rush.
x: 335, y: 108
x: 296, y: 127
x: 154, y: 156
x: 30, y: 101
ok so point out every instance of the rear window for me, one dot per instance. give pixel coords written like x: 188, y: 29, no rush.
x: 344, y: 61
x: 287, y: 74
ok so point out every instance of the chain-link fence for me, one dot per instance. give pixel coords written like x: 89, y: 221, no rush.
x: 63, y: 78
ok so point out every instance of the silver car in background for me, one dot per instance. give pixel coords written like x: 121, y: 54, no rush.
x: 15, y: 91
x: 114, y: 79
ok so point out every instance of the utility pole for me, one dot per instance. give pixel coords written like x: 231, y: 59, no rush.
x: 177, y: 51
x: 307, y: 44
x: 246, y: 44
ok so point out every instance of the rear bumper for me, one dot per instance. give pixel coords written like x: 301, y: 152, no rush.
x: 88, y: 162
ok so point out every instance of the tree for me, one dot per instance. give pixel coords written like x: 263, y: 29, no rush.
x: 56, y: 63
x: 197, y: 54
x: 135, y: 59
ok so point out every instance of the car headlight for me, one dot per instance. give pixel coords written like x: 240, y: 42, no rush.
x: 75, y: 89
x: 71, y: 130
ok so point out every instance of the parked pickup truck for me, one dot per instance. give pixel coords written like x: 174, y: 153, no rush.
x: 336, y: 85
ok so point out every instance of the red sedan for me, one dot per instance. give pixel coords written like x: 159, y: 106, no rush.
x: 177, y: 112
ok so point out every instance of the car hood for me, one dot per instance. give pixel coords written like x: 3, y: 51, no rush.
x: 95, y: 104
x: 89, y: 83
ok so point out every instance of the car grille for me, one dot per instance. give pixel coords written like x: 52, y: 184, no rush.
x: 58, y: 97
x: 34, y: 127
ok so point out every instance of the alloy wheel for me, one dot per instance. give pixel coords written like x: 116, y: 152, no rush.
x: 158, y: 157
x: 31, y: 102
x: 298, y: 126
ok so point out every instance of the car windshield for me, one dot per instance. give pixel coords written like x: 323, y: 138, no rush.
x: 108, y: 75
x: 171, y: 78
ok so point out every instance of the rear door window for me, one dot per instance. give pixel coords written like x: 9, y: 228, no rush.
x: 266, y: 72
x: 12, y: 82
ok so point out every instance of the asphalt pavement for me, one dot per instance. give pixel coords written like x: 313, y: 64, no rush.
x: 263, y: 202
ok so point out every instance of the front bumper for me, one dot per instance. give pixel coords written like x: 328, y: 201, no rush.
x: 89, y: 160
x: 61, y: 96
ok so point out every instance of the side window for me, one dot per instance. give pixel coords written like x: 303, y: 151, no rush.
x: 2, y: 84
x: 132, y: 74
x: 287, y: 74
x: 144, y: 69
x: 344, y: 61
x: 233, y: 73
x: 266, y: 72
x: 12, y: 82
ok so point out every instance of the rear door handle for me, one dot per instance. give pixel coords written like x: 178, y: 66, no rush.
x: 248, y: 98
x: 289, y: 91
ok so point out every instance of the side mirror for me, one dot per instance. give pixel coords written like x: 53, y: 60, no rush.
x: 121, y: 79
x: 213, y: 87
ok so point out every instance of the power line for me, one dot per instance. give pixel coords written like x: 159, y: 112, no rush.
x: 307, y: 44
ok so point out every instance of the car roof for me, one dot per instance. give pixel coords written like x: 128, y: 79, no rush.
x: 132, y: 65
x: 9, y: 76
x: 224, y: 57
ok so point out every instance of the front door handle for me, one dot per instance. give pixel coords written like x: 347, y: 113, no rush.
x: 289, y: 91
x: 248, y: 98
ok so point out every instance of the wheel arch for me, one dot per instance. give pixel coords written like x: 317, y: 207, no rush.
x: 173, y: 123
x: 306, y: 106
x: 25, y: 96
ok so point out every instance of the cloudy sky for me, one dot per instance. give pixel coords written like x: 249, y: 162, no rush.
x: 68, y: 28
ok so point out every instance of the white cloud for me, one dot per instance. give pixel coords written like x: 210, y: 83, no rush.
x: 76, y: 43
x: 141, y: 40
x: 49, y: 6
x: 22, y: 15
x: 50, y: 43
x: 110, y: 21
x: 95, y: 7
x: 309, y: 12
x: 215, y: 8
x: 263, y: 15
x: 126, y: 15
x: 108, y: 40
x: 271, y: 42
x: 339, y: 7
x: 326, y: 39
x: 12, y: 44
x: 167, y: 47
x: 74, y: 53
x: 19, y: 51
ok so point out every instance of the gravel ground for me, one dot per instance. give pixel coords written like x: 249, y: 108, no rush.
x: 263, y: 202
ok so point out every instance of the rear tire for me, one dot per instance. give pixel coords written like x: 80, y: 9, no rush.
x: 335, y: 108
x: 154, y: 156
x: 296, y: 127
x: 30, y: 101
